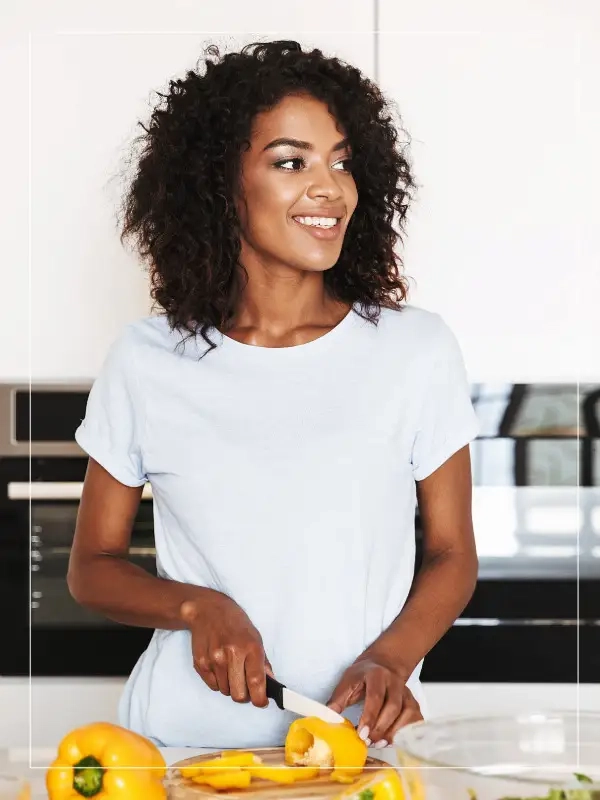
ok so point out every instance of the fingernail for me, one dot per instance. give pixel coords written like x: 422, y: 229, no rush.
x: 380, y: 744
x: 364, y: 733
x: 368, y: 742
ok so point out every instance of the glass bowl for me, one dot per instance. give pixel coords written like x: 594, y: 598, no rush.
x: 13, y: 787
x: 497, y: 757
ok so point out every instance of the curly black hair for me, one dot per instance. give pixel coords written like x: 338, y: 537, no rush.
x: 179, y: 207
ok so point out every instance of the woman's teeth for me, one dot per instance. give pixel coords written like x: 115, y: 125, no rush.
x: 320, y: 222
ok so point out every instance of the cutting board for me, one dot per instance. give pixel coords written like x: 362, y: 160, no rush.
x: 180, y: 788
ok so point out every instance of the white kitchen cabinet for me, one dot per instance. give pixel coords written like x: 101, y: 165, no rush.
x: 14, y: 283
x: 68, y: 285
x: 499, y: 100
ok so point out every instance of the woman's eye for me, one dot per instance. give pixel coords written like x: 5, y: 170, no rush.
x: 347, y: 164
x: 298, y: 163
x: 289, y: 161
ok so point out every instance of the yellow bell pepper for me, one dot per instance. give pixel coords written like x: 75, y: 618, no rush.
x: 412, y: 776
x: 223, y: 772
x: 385, y: 785
x: 106, y: 762
x: 232, y: 779
x: 221, y: 763
x: 313, y: 742
x: 283, y: 774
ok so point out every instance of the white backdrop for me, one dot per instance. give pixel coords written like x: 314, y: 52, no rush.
x: 501, y: 102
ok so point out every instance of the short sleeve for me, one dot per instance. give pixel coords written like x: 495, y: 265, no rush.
x: 109, y: 433
x: 446, y: 418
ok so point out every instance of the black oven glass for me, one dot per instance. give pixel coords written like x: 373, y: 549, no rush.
x: 53, y: 526
x: 55, y: 416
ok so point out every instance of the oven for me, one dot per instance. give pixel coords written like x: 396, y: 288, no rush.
x: 535, y: 614
x: 41, y: 478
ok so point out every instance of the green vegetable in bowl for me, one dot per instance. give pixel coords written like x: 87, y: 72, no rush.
x: 559, y: 794
x: 367, y: 794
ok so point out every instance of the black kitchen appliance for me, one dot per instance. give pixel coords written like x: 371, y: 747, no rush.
x: 41, y: 478
x: 535, y: 615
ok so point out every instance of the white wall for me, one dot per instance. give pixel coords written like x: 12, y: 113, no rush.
x: 502, y: 101
x: 498, y: 98
x: 91, y: 77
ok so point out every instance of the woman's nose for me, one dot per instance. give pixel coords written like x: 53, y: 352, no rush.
x: 324, y: 184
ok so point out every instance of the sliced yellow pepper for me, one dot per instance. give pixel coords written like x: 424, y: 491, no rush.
x: 313, y: 742
x: 226, y: 760
x: 283, y: 774
x: 385, y: 785
x: 412, y: 776
x: 231, y: 779
x: 106, y: 761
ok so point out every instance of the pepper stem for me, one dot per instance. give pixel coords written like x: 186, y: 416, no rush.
x: 87, y: 777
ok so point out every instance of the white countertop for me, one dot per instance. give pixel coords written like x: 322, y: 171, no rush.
x: 41, y: 757
x: 16, y: 761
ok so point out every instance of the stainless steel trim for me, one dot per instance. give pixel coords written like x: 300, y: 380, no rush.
x: 57, y: 490
x: 133, y: 551
x: 9, y: 446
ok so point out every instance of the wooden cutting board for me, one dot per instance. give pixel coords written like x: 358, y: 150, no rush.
x: 180, y: 788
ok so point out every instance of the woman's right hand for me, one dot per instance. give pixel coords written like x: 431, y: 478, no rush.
x: 227, y: 649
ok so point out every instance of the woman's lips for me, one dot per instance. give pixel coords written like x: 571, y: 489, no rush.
x: 318, y: 232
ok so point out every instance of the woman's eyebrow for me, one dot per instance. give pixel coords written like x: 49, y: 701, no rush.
x: 302, y: 145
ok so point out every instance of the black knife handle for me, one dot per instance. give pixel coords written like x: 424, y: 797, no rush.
x: 275, y: 691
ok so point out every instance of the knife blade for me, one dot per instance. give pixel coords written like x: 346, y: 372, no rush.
x: 288, y: 700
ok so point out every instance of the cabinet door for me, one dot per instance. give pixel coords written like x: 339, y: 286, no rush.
x: 93, y: 75
x: 14, y: 232
x: 498, y: 100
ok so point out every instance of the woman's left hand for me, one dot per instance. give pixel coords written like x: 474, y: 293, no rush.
x: 389, y: 704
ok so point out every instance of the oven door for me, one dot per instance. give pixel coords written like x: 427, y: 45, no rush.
x: 48, y: 630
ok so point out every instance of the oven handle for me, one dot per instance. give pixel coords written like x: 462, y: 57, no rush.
x: 491, y: 622
x: 57, y: 490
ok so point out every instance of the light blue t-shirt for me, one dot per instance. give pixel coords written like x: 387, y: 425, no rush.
x: 284, y: 477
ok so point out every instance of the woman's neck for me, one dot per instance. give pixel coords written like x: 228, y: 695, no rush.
x: 286, y: 315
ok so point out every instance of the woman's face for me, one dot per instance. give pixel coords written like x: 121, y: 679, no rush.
x: 297, y: 192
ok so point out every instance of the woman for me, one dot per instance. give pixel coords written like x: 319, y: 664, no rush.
x: 287, y: 407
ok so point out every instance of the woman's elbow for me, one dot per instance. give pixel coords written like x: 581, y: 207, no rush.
x: 472, y: 571
x: 78, y: 581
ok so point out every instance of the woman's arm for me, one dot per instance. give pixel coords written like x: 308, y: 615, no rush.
x: 446, y: 580
x: 440, y: 592
x: 226, y: 650
x: 100, y: 576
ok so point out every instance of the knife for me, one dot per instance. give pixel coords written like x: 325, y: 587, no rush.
x: 287, y: 700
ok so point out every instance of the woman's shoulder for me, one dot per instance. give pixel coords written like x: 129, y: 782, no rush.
x: 147, y: 335
x: 410, y: 323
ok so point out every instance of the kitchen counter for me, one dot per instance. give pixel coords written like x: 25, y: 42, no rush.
x: 17, y: 758
x: 59, y: 705
x: 16, y: 761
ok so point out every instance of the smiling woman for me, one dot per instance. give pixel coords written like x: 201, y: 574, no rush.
x: 287, y: 408
x: 233, y: 157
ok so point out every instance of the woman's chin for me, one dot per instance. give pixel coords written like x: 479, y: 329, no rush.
x: 317, y: 264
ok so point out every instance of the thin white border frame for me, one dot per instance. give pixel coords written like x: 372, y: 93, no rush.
x: 375, y: 33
